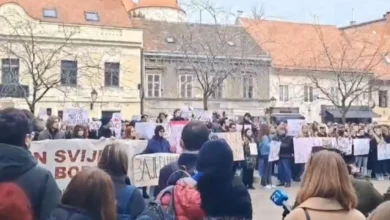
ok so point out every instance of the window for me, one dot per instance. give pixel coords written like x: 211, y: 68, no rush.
x: 154, y: 85
x: 170, y: 39
x: 247, y: 87
x: 10, y: 71
x: 383, y: 98
x: 91, y: 16
x: 49, y: 13
x: 111, y: 74
x: 283, y: 93
x: 308, y: 93
x: 60, y: 114
x: 68, y: 72
x: 334, y: 93
x: 218, y: 90
x: 186, y: 86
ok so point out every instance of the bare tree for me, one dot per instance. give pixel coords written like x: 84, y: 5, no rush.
x: 33, y: 56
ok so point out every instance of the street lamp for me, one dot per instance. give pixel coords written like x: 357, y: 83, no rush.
x: 94, y: 95
x: 272, y: 102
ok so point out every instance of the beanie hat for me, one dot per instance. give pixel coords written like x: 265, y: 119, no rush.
x: 215, y: 157
x: 105, y: 120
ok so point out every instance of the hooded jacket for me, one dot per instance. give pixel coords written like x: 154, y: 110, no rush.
x: 157, y: 144
x: 64, y: 212
x: 18, y: 165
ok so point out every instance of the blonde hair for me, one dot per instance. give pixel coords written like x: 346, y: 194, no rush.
x: 326, y: 176
x: 114, y: 160
x: 382, y: 212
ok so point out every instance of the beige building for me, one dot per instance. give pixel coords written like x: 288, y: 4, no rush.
x: 57, y: 55
x: 218, y: 68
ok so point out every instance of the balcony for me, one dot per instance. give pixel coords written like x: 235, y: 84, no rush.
x: 13, y: 91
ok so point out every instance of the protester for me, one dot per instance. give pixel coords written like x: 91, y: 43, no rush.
x: 14, y: 204
x: 144, y: 118
x: 232, y: 127
x: 193, y: 136
x: 265, y: 167
x: 52, y: 130
x: 90, y: 195
x: 326, y: 191
x: 79, y: 132
x: 115, y: 162
x: 18, y: 165
x: 130, y: 133
x: 221, y: 199
x: 382, y: 212
x: 177, y: 115
x: 158, y: 144
x: 247, y: 122
x: 377, y: 165
x: 286, y: 156
x: 162, y: 118
x: 250, y: 160
x: 362, y: 160
x: 104, y: 130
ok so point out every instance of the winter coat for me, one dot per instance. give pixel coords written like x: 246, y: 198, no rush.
x: 64, y: 212
x: 368, y: 197
x: 104, y: 132
x: 264, y: 145
x: 136, y: 203
x: 186, y: 198
x: 18, y: 165
x: 323, y: 209
x: 45, y: 135
x: 157, y: 145
x: 286, y: 146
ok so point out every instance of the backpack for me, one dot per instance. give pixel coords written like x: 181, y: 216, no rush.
x: 123, y: 199
x: 155, y: 211
x: 179, y: 172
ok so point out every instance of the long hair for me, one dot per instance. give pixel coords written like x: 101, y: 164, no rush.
x: 14, y: 204
x: 76, y: 129
x: 114, y: 160
x: 93, y: 191
x: 326, y: 176
x: 129, y: 129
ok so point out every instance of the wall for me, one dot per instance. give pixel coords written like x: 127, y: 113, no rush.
x: 90, y: 46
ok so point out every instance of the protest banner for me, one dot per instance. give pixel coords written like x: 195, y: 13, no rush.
x: 325, y: 142
x: 176, y: 127
x: 65, y: 158
x: 253, y: 149
x: 117, y: 124
x: 302, y: 149
x: 361, y: 146
x: 345, y: 145
x: 146, y: 129
x: 146, y: 168
x: 274, y: 151
x: 295, y: 126
x: 202, y: 115
x: 75, y: 116
x: 383, y: 151
x: 235, y: 142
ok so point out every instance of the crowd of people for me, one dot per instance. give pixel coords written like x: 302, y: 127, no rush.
x: 201, y: 185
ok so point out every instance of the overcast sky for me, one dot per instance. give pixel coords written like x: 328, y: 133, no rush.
x: 337, y: 12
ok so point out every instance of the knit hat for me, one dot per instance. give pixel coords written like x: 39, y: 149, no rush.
x: 215, y: 157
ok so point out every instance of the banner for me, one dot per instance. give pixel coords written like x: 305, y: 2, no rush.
x: 361, y: 146
x: 235, y: 142
x: 383, y: 151
x: 65, y: 158
x: 75, y: 116
x: 146, y: 168
x: 274, y: 151
x: 295, y: 126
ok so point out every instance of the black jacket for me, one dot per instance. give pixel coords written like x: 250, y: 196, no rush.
x: 105, y: 132
x: 286, y: 146
x: 19, y: 166
x: 136, y: 204
x: 64, y: 212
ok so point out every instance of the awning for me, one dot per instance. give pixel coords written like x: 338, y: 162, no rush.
x: 353, y: 114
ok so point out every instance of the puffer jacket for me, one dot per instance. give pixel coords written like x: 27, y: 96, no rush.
x: 187, y: 202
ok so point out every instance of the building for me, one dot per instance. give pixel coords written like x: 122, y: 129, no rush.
x: 314, y: 66
x: 212, y: 67
x: 159, y: 10
x: 55, y: 55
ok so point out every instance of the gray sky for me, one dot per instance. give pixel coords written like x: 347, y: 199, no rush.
x: 337, y: 12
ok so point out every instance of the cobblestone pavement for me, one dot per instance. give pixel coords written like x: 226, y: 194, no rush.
x: 263, y: 208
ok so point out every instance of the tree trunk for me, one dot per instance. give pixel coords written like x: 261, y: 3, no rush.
x: 205, y: 102
x: 32, y: 108
x: 344, y: 116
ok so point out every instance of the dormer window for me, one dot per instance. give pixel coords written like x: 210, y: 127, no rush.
x: 170, y: 40
x: 91, y: 16
x: 49, y: 13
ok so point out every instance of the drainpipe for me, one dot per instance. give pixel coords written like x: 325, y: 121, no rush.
x: 141, y: 86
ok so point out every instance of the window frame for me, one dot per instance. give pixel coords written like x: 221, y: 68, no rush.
x: 153, y: 85
x: 308, y: 94
x: 248, y: 91
x: 106, y: 71
x: 44, y: 10
x: 385, y: 93
x: 86, y: 13
x: 73, y: 69
x: 186, y: 85
x: 284, y: 95
x: 219, y: 90
x: 10, y: 66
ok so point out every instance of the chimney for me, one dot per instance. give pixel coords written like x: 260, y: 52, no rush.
x: 352, y: 23
x: 239, y: 14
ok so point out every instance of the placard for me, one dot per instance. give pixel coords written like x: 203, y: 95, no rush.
x: 302, y: 149
x: 146, y: 129
x: 234, y: 140
x: 383, y: 151
x: 253, y: 149
x: 295, y: 126
x: 345, y: 145
x: 361, y: 146
x: 117, y: 124
x: 274, y: 151
x: 94, y: 125
x: 65, y: 158
x: 176, y: 127
x: 75, y: 116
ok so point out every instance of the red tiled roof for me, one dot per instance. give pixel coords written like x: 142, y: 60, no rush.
x: 111, y: 12
x: 129, y: 5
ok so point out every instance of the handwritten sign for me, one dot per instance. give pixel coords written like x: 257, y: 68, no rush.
x: 274, y: 151
x: 361, y: 146
x: 253, y: 149
x: 65, y: 158
x: 75, y: 116
x: 176, y: 127
x: 383, y: 151
x: 94, y: 125
x: 345, y: 145
x: 117, y: 124
x: 295, y: 126
x: 202, y: 115
x: 146, y: 167
x: 235, y: 142
x: 302, y: 149
x: 325, y: 142
x: 146, y: 129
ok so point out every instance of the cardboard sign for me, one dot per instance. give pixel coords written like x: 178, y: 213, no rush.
x: 295, y: 126
x: 94, y: 125
x: 302, y: 149
x: 65, y: 158
x: 117, y: 124
x: 253, y: 149
x: 361, y: 146
x: 235, y: 142
x: 274, y: 151
x: 146, y: 129
x: 176, y: 127
x: 383, y: 151
x: 75, y: 116
x: 345, y: 145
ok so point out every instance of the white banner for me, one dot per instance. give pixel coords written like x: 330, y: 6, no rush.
x: 361, y: 146
x: 274, y: 151
x: 65, y: 158
x: 383, y: 151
